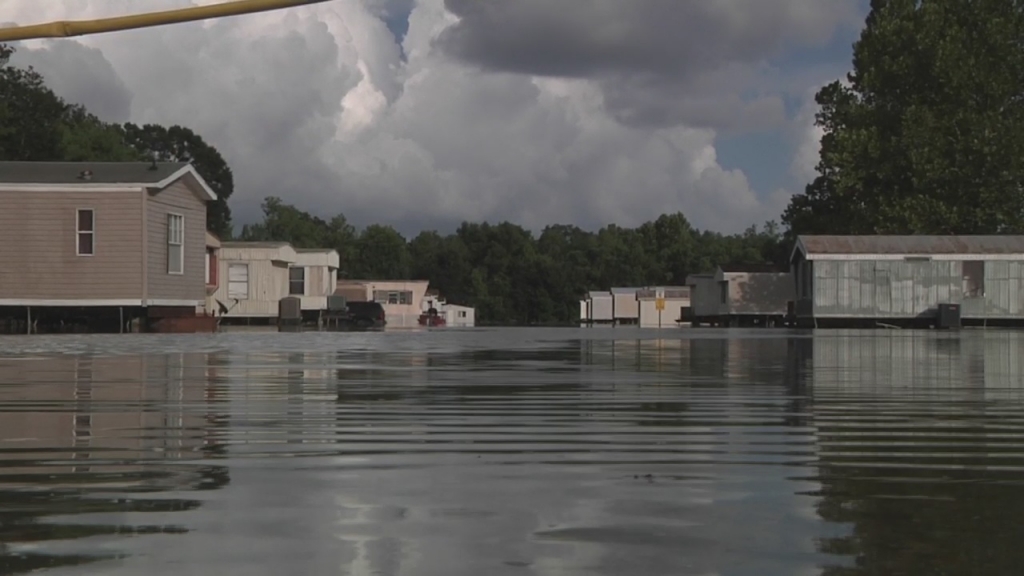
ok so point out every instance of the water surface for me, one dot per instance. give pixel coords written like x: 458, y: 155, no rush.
x: 519, y: 452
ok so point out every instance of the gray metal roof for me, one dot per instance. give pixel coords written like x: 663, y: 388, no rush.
x: 314, y: 250
x: 624, y: 290
x: 1001, y: 244
x: 599, y: 294
x: 101, y: 172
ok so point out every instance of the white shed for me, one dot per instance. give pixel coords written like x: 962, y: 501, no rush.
x: 675, y: 301
x: 625, y: 307
x: 602, y: 307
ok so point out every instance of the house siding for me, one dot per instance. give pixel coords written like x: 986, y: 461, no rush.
x: 177, y: 198
x: 268, y: 279
x: 38, y: 251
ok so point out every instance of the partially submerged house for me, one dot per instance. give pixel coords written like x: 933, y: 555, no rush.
x: 101, y: 244
x: 741, y: 295
x: 258, y: 275
x: 454, y: 315
x: 402, y: 300
x: 663, y: 306
x: 907, y: 280
x: 650, y: 307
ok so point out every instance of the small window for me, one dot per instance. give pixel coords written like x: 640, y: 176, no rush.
x: 462, y: 313
x: 175, y: 244
x: 392, y: 297
x: 296, y: 281
x: 85, y: 229
x: 974, y: 278
x: 405, y: 297
x: 238, y: 281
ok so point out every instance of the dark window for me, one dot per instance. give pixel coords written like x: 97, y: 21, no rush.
x: 86, y: 233
x: 297, y: 281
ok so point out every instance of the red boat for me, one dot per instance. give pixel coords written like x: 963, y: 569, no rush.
x: 432, y: 319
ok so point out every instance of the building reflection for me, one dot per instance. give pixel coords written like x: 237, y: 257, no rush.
x: 918, y: 437
x: 81, y: 436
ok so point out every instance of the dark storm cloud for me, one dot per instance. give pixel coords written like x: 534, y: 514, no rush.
x: 81, y: 75
x: 651, y: 55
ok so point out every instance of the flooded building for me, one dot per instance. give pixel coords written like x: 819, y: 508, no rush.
x: 647, y: 307
x: 257, y: 275
x: 452, y: 315
x: 742, y: 295
x: 100, y: 245
x: 908, y: 280
x: 402, y: 300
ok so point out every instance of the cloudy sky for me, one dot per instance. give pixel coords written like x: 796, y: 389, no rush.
x: 426, y: 113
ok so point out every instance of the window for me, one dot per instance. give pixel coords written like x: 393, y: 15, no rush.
x: 462, y: 313
x: 85, y: 229
x: 175, y: 244
x: 238, y: 281
x: 296, y: 281
x: 392, y: 297
x: 974, y: 278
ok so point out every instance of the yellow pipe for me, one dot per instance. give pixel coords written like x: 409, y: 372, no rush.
x: 64, y: 29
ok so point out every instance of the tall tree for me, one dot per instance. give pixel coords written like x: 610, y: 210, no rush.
x: 179, y: 144
x: 31, y: 115
x: 928, y: 134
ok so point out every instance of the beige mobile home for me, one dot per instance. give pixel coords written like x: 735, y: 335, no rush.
x: 255, y: 276
x: 102, y: 235
x: 402, y: 300
x: 314, y: 276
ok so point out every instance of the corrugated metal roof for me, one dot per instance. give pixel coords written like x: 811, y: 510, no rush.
x: 624, y: 290
x: 102, y: 172
x: 599, y: 294
x: 996, y: 244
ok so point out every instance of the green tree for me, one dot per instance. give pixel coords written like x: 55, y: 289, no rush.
x: 928, y: 135
x: 31, y: 115
x: 380, y: 253
x: 180, y: 144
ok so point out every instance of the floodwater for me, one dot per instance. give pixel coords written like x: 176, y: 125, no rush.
x: 514, y: 452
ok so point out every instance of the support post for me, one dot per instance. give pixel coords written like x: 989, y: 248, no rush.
x: 28, y: 319
x: 120, y: 323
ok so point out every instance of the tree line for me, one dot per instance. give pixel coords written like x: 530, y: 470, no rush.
x: 926, y: 136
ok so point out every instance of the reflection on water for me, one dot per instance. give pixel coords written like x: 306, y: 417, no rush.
x: 514, y: 452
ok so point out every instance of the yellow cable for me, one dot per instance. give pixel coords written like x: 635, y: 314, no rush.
x: 64, y: 29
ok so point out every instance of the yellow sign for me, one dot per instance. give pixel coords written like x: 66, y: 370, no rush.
x: 659, y: 304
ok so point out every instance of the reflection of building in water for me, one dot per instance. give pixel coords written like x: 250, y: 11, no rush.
x: 125, y: 409
x: 740, y: 359
x: 976, y: 365
x: 918, y: 441
x: 78, y: 426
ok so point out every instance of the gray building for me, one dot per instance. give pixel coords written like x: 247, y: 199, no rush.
x: 741, y: 295
x: 903, y: 280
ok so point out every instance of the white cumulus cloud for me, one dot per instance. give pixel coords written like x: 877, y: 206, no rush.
x: 322, y: 106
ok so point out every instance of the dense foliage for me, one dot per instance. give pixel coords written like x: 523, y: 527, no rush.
x: 509, y: 274
x: 928, y: 135
x: 37, y: 125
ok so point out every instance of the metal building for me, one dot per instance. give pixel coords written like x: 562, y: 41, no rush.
x: 908, y: 280
x: 743, y: 295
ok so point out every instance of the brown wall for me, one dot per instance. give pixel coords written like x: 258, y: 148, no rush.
x: 180, y: 199
x: 38, y: 257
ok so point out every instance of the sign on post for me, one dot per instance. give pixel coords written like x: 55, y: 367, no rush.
x: 659, y: 304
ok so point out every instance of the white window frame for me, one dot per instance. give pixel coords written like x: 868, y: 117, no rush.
x: 171, y: 216
x: 79, y: 231
x: 235, y: 295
